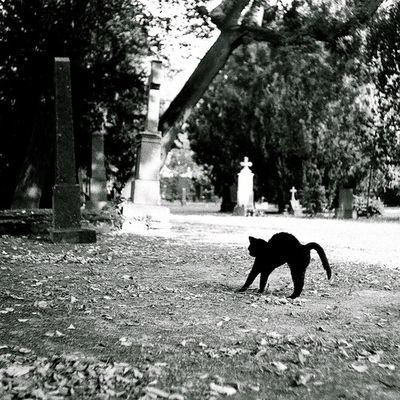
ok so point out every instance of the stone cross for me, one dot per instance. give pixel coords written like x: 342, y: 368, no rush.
x: 246, y: 163
x: 153, y: 103
x: 66, y: 192
x: 245, y: 194
x: 293, y: 191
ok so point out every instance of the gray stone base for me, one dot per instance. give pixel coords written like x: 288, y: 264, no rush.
x: 93, y: 205
x: 139, y: 217
x: 243, y: 211
x: 345, y: 214
x: 73, y: 235
x: 146, y: 192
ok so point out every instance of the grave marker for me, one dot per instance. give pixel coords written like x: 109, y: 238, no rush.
x: 98, y: 180
x: 245, y: 194
x: 294, y: 203
x: 66, y: 191
x: 345, y: 208
x: 145, y: 206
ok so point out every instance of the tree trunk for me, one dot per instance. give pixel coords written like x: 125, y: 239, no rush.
x: 180, y: 108
x: 37, y: 167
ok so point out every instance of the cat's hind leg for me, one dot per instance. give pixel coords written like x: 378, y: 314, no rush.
x: 298, y: 281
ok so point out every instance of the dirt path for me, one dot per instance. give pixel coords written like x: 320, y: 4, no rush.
x: 145, y: 316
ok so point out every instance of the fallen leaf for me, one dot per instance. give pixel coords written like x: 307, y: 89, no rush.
x: 279, y: 366
x: 303, y: 354
x: 176, y: 396
x: 157, y: 392
x: 302, y: 379
x: 125, y: 342
x: 41, y: 304
x: 374, y: 358
x: 17, y: 370
x: 24, y: 350
x: 226, y: 390
x: 71, y: 327
x: 360, y: 367
x: 390, y: 367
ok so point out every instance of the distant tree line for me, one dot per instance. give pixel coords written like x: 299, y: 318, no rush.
x: 314, y: 116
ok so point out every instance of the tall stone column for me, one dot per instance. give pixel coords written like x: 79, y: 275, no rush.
x: 98, y: 180
x: 66, y: 191
x: 146, y: 189
x: 145, y: 208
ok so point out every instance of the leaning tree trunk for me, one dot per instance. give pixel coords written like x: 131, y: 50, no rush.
x: 180, y: 108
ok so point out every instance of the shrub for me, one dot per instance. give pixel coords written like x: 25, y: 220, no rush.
x: 313, y: 199
x: 374, y: 207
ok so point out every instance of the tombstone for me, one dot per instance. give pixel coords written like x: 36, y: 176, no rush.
x: 345, y: 207
x: 245, y: 194
x: 295, y: 205
x: 66, y: 191
x: 98, y: 180
x: 144, y: 207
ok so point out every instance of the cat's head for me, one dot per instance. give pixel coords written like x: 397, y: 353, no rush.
x: 253, y: 246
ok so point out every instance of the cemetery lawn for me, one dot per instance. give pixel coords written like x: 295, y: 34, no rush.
x: 149, y: 317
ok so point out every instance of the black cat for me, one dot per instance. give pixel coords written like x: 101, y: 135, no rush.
x: 280, y: 249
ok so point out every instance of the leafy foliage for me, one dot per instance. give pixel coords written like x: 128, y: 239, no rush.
x: 106, y: 43
x: 384, y: 57
x: 300, y: 116
x: 368, y: 207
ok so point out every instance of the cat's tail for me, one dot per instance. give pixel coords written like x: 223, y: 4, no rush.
x: 322, y: 256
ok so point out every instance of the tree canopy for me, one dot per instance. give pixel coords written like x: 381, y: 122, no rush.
x: 315, y: 116
x: 274, y: 23
x: 106, y: 43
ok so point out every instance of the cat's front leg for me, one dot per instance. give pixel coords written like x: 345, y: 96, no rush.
x: 263, y: 280
x: 250, y: 279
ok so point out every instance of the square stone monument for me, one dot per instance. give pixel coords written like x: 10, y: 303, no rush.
x: 66, y: 191
x: 345, y: 209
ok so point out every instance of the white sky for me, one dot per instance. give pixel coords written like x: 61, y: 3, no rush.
x: 183, y: 60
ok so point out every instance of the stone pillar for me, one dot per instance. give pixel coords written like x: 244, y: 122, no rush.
x: 245, y: 194
x: 146, y: 197
x: 345, y: 208
x: 66, y: 192
x: 146, y: 188
x: 98, y: 180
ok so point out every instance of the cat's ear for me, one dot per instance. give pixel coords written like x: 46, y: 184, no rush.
x: 252, y: 239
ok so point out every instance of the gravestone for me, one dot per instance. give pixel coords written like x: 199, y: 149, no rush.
x: 66, y: 191
x: 295, y: 205
x: 245, y: 194
x: 345, y: 207
x: 98, y: 180
x: 145, y: 210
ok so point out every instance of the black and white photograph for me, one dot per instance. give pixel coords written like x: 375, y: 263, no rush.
x: 200, y: 199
